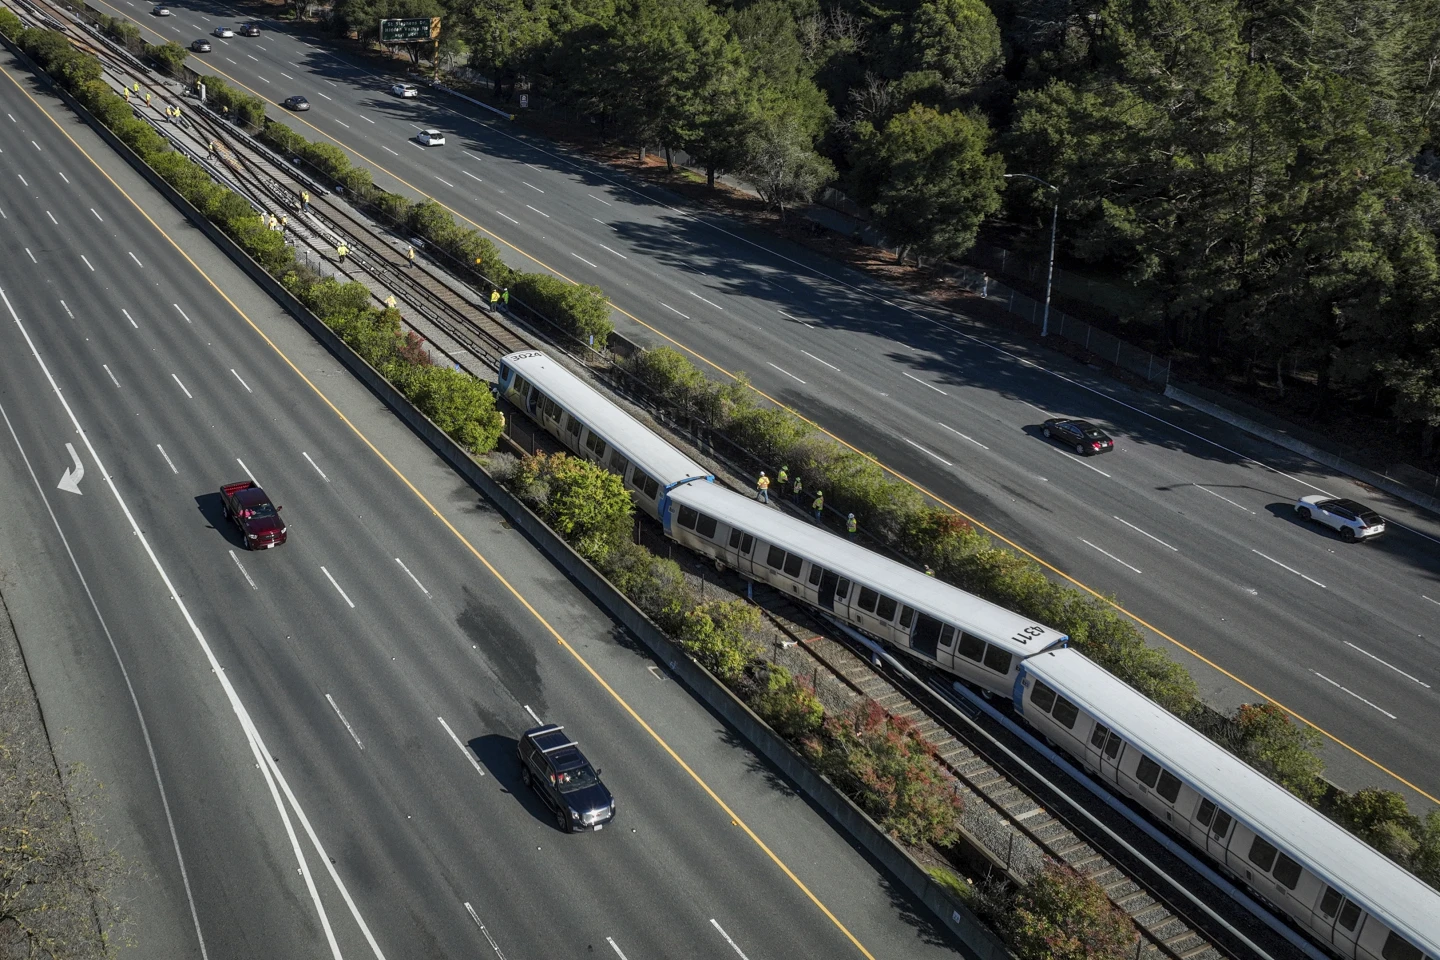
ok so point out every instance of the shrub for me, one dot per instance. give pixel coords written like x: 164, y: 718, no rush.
x: 10, y: 24
x: 285, y: 140
x: 720, y: 635
x: 169, y: 55
x: 580, y: 309
x: 458, y: 403
x: 1269, y: 741
x: 324, y: 157
x: 787, y: 704
x: 1062, y: 915
x: 587, y: 504
x: 1382, y: 819
x: 394, y: 209
x: 655, y: 585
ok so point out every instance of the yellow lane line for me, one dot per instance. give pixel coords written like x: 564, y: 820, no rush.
x: 888, y: 469
x: 734, y: 817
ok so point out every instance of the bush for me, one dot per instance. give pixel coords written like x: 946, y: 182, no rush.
x: 1284, y: 751
x: 458, y: 404
x: 1382, y: 819
x: 283, y: 139
x: 721, y: 635
x: 1061, y: 915
x: 586, y: 504
x: 580, y: 309
x: 10, y: 24
x: 788, y: 705
x: 169, y: 55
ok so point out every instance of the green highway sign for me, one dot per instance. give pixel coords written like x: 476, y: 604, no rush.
x: 409, y: 30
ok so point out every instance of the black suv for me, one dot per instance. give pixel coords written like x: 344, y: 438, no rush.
x: 555, y: 768
x: 249, y: 30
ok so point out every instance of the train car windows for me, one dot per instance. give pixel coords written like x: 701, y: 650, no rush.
x: 947, y: 635
x: 907, y: 616
x: 688, y: 516
x: 886, y: 609
x: 1042, y: 696
x: 1112, y: 748
x: 1148, y: 772
x: 595, y: 445
x: 618, y: 463
x: 734, y: 538
x: 746, y: 543
x: 1349, y: 914
x: 645, y: 483
x: 1098, y: 735
x: 520, y: 386
x: 1065, y: 712
x: 868, y: 598
x: 572, y: 426
x: 842, y: 589
x: 1169, y: 786
x: 1263, y: 853
x: 504, y: 371
x: 998, y: 660
x: 1330, y: 902
x: 973, y: 648
x: 815, y: 571
x: 1287, y: 871
x: 1398, y: 948
x: 706, y: 527
x: 549, y: 408
x: 1206, y: 814
x: 776, y: 558
x: 793, y: 563
x: 1221, y: 829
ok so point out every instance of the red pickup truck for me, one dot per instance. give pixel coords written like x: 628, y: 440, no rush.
x: 250, y: 510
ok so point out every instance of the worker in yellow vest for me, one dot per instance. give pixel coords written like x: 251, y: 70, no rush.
x: 763, y: 486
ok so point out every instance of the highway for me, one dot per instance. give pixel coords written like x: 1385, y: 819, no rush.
x: 310, y: 751
x: 1188, y: 523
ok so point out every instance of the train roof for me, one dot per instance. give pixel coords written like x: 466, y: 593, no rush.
x: 638, y: 442
x: 911, y: 587
x: 1405, y: 903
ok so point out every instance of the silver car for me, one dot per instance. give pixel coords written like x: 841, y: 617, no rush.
x: 1353, y: 521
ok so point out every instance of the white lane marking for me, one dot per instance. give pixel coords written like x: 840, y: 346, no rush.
x: 716, y: 924
x: 2, y: 211
x: 242, y: 381
x: 798, y: 320
x: 959, y: 434
x: 1291, y: 569
x: 97, y: 215
x: 472, y: 156
x: 541, y: 212
x: 616, y: 947
x: 182, y: 312
x: 508, y: 217
x: 781, y: 369
x: 247, y: 470
x: 1390, y: 665
x: 1226, y: 499
x: 476, y: 917
x: 1150, y: 535
x: 337, y: 586
x: 327, y: 96
x: 32, y: 256
x: 336, y: 707
x: 412, y: 576
x: 1110, y: 555
x: 927, y: 452
x: 469, y: 754
x: 472, y: 176
x: 818, y: 360
x: 703, y: 300
x: 182, y: 386
x: 1353, y: 694
x: 253, y: 57
x: 923, y: 383
x: 22, y: 179
x: 52, y: 218
x: 672, y: 310
x: 67, y: 310
x: 366, y: 119
x: 62, y: 175
x: 416, y: 145
x: 243, y: 572
x: 317, y: 469
x: 1082, y: 462
x: 1436, y: 602
x: 601, y: 222
x: 112, y: 376
x: 286, y: 75
x: 584, y: 261
x: 137, y: 260
x: 446, y: 182
x: 36, y: 145
x: 236, y: 62
x: 532, y: 186
x: 341, y: 122
x: 616, y: 252
x: 88, y: 263
x: 167, y: 458
x: 388, y: 150
x: 130, y: 318
x: 593, y: 197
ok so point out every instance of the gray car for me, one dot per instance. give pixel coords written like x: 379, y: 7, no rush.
x: 295, y: 103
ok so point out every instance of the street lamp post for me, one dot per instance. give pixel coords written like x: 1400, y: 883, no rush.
x: 1054, y: 219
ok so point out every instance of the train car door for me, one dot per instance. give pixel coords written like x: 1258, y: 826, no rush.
x: 742, y: 546
x: 824, y: 581
x: 1104, y: 753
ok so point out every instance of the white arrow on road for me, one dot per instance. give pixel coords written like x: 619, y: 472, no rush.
x: 70, y: 482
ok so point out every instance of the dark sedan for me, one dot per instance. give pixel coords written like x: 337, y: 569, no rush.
x: 295, y: 103
x: 1084, y: 436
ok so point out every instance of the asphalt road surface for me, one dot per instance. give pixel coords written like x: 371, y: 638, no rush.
x: 309, y: 751
x: 1189, y: 523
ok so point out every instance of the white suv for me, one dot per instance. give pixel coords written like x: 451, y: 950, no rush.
x: 431, y: 138
x: 1353, y: 521
x: 405, y: 90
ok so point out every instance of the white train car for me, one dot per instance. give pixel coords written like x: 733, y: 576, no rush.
x: 916, y: 614
x: 590, y: 426
x: 1336, y: 887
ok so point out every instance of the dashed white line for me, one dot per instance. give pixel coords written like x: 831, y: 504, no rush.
x: 22, y: 179
x: 286, y: 75
x: 476, y: 917
x: 388, y: 150
x: 714, y: 923
x: 97, y: 215
x: 472, y: 176
x: 62, y: 175
x: 673, y: 310
x: 317, y: 468
x: 541, y: 212
x: 366, y: 119
x: 67, y: 310
x: 32, y: 256
x: 242, y: 381
x: 1436, y: 602
x: 1353, y: 694
x: 88, y: 263
x: 341, y: 122
x: 703, y: 300
x: 112, y: 376
x: 584, y: 261
x: 52, y: 218
x: 818, y: 360
x: 1226, y: 499
x: 923, y: 383
x: 616, y: 252
x: 336, y: 707
x: 1083, y: 463
x: 36, y: 145
x: 182, y: 312
x: 167, y: 458
x: 593, y: 197
x: 136, y: 259
x: 182, y: 386
x: 963, y: 436
x: 253, y: 57
x: 927, y: 452
x: 243, y: 572
x: 469, y: 754
x: 412, y: 576
x: 1150, y: 535
x: 616, y: 947
x: 532, y: 186
x: 130, y: 318
x: 337, y: 587
x: 446, y: 182
x: 1385, y: 663
x: 1291, y: 569
x: 781, y: 369
x: 1110, y: 555
x: 247, y: 470
x: 508, y: 217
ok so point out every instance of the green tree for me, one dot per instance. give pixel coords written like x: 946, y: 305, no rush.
x: 778, y: 156
x: 1382, y: 819
x: 1063, y: 915
x: 1283, y: 750
x: 585, y: 503
x: 458, y: 404
x: 720, y: 634
x: 957, y: 39
x: 506, y: 38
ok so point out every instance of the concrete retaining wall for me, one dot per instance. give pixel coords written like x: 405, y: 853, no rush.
x: 978, y: 943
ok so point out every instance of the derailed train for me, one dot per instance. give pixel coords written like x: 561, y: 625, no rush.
x: 1343, y: 893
